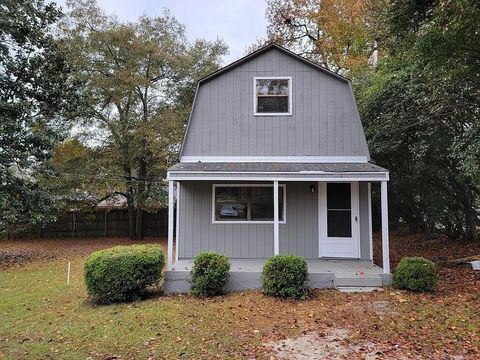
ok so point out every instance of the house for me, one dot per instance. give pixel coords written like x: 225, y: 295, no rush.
x: 275, y: 161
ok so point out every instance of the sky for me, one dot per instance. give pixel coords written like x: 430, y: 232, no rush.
x: 238, y: 22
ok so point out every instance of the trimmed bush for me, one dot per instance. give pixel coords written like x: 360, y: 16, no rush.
x: 122, y: 273
x: 416, y: 274
x: 285, y: 276
x: 209, y: 275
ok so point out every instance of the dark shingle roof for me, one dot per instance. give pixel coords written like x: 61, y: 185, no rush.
x: 276, y: 167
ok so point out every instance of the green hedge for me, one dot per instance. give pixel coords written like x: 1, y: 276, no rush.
x: 285, y: 276
x: 416, y: 274
x: 210, y: 274
x: 122, y: 273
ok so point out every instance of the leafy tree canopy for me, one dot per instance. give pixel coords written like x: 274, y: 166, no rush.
x: 420, y: 101
x: 137, y: 81
x: 34, y: 89
x: 342, y: 35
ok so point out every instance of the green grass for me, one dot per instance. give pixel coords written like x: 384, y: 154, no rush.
x: 43, y: 317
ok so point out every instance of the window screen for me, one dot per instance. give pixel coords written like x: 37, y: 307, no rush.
x: 246, y: 203
x: 339, y: 210
x: 272, y: 96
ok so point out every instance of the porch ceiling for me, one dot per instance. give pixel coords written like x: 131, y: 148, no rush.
x: 277, y: 171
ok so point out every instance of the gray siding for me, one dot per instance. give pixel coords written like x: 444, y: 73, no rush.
x: 324, y: 119
x: 364, y: 221
x: 197, y: 233
x: 298, y: 236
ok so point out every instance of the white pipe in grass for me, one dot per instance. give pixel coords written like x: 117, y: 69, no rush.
x: 68, y: 273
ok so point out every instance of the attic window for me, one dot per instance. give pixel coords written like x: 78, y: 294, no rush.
x: 273, y: 96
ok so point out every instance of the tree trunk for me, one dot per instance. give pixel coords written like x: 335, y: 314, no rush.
x: 131, y: 217
x: 470, y: 215
x: 139, y: 224
x: 105, y: 224
x: 130, y: 205
x: 142, y: 173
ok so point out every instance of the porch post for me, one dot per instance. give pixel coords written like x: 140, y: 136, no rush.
x: 385, y: 241
x: 177, y: 226
x: 170, y: 226
x: 276, y: 242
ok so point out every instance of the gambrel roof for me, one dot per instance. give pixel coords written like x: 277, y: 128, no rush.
x: 323, y: 120
x: 263, y: 50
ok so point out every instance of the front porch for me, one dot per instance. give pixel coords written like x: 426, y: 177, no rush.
x: 251, y: 211
x: 323, y: 273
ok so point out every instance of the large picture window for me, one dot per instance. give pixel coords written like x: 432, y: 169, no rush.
x: 246, y: 203
x: 273, y: 96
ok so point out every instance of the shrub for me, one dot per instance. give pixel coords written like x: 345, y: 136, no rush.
x: 416, y: 274
x: 122, y: 273
x: 209, y: 275
x: 285, y: 276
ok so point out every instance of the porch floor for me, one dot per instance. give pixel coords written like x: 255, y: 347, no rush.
x: 339, y: 267
x: 323, y: 273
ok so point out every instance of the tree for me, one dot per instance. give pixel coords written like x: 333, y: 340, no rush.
x: 419, y: 101
x: 421, y: 111
x: 342, y: 35
x: 137, y: 81
x: 80, y: 176
x: 34, y: 90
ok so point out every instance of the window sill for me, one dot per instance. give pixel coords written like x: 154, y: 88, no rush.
x: 272, y: 114
x: 246, y: 222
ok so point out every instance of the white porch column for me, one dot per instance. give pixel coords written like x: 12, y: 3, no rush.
x: 385, y: 241
x: 177, y: 226
x: 170, y: 226
x: 276, y: 240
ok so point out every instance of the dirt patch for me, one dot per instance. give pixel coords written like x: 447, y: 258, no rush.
x: 332, y: 344
x: 383, y: 308
x: 336, y: 343
x: 20, y: 252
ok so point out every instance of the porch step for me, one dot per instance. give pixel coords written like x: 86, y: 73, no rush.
x: 358, y: 281
x: 356, y: 289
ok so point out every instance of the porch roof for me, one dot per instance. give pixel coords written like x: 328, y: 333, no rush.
x: 282, y: 171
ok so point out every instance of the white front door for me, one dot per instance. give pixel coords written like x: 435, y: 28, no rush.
x: 338, y: 220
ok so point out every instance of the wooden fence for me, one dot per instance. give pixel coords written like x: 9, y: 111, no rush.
x: 97, y: 223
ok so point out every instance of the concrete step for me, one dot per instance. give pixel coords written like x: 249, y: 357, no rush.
x: 357, y: 281
x: 356, y: 289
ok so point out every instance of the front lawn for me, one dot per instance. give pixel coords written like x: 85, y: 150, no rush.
x: 42, y: 317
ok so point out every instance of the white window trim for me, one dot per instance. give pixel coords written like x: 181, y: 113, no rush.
x: 284, y: 221
x: 290, y: 102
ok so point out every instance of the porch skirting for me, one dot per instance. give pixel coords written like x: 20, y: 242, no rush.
x: 246, y: 274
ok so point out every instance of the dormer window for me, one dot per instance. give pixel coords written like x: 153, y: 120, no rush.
x: 273, y: 96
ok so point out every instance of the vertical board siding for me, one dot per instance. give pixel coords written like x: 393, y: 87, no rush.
x: 298, y: 236
x: 324, y: 119
x: 364, y: 221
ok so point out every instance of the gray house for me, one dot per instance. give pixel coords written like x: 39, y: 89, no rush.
x: 275, y: 161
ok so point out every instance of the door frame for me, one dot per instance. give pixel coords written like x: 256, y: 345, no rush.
x: 322, y: 217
